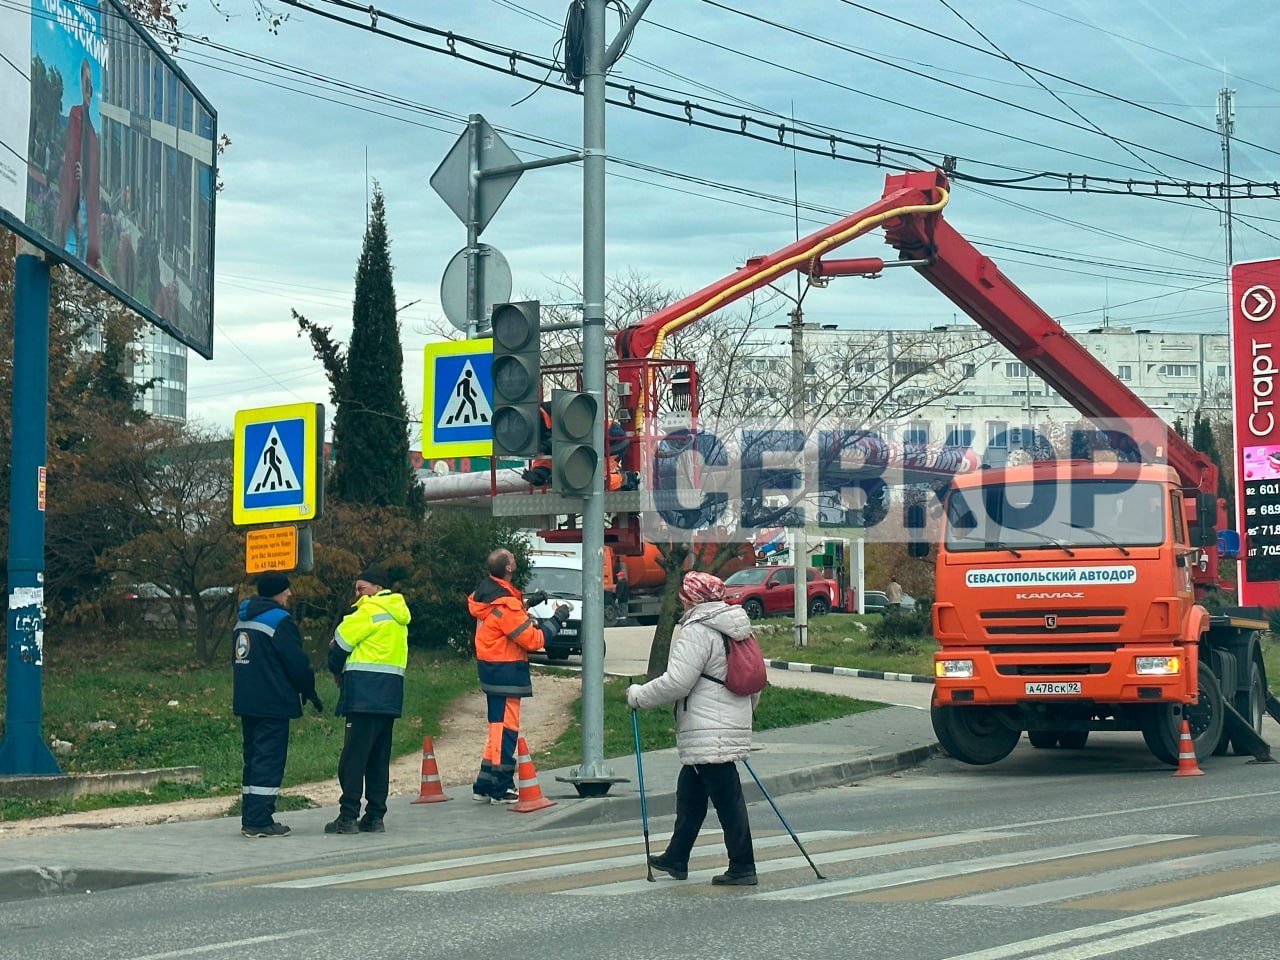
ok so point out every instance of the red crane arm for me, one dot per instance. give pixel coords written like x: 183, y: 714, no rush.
x: 645, y: 338
x: 974, y: 283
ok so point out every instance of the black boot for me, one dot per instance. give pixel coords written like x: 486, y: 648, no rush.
x: 342, y: 825
x: 678, y: 870
x: 371, y: 824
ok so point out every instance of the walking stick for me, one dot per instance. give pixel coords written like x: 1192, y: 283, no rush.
x: 644, y: 809
x: 816, y: 871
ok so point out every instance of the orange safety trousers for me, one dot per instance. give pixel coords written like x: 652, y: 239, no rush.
x: 498, y: 762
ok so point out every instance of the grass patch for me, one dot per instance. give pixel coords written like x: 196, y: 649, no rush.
x: 836, y: 640
x: 132, y: 685
x: 779, y: 707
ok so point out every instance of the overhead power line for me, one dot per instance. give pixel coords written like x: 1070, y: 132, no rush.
x: 691, y: 113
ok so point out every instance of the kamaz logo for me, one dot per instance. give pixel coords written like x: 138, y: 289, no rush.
x: 1051, y: 621
x: 1059, y: 595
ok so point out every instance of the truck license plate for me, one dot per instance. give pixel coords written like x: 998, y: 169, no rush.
x: 1051, y: 689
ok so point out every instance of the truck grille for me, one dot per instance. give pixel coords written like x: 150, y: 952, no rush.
x: 1051, y: 669
x: 1035, y: 622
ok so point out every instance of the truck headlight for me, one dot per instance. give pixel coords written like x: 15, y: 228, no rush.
x: 1158, y: 666
x: 953, y: 668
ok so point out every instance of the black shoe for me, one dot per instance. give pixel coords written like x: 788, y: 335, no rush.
x: 677, y: 870
x: 270, y: 830
x: 511, y: 796
x: 731, y: 879
x: 342, y: 825
x: 368, y: 824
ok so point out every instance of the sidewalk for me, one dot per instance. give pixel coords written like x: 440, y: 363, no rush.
x: 795, y: 759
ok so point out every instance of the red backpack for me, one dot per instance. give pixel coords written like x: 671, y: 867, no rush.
x: 746, y: 673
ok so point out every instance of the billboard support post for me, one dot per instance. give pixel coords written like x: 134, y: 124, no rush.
x: 23, y: 750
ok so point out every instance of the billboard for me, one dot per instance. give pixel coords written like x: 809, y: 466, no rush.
x: 107, y: 158
x: 1255, y: 348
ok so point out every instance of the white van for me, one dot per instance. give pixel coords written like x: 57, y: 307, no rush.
x: 557, y: 569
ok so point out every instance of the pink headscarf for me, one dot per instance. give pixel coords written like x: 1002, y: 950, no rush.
x: 700, y: 587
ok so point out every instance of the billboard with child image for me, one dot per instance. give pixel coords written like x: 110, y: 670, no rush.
x: 107, y: 158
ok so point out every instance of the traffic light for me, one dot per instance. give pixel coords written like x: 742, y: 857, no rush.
x: 516, y: 379
x: 573, y: 458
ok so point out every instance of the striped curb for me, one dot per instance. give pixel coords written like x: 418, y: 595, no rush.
x: 848, y: 671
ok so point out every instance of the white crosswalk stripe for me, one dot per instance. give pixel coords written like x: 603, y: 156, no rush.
x: 837, y: 888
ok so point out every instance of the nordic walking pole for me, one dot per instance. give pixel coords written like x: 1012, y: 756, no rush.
x: 816, y: 871
x: 644, y: 809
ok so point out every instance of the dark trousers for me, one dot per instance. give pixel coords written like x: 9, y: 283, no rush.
x: 266, y: 744
x: 365, y: 764
x: 718, y: 782
x: 498, y: 761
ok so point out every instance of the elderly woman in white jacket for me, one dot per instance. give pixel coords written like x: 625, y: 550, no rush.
x: 713, y: 729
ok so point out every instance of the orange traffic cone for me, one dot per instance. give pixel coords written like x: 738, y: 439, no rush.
x: 430, y: 791
x: 531, y: 797
x: 1187, y: 766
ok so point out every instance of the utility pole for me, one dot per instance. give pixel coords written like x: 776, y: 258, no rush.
x: 1226, y: 127
x: 592, y: 778
x: 798, y: 551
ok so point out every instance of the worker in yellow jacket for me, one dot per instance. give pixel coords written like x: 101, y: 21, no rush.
x: 367, y: 658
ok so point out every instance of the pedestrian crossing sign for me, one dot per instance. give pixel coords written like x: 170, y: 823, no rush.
x: 457, y: 400
x: 276, y: 464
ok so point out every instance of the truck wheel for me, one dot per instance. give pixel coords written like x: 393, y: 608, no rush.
x: 818, y: 607
x: 1161, y: 726
x: 753, y: 608
x: 1073, y: 739
x: 973, y: 735
x: 1252, y: 703
x: 1043, y: 739
x: 610, y: 615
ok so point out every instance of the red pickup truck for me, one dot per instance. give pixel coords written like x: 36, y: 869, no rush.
x: 764, y: 591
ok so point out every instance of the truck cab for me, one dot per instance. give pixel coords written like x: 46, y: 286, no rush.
x: 1065, y: 603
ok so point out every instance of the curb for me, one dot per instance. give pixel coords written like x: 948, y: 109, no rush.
x: 838, y: 774
x: 848, y: 671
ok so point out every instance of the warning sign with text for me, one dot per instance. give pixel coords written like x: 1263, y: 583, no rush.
x: 271, y: 548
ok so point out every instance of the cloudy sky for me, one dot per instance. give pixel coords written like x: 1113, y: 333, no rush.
x: 1103, y: 90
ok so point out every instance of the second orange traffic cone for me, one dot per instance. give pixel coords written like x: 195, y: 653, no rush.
x: 531, y: 797
x: 430, y: 791
x: 1187, y: 766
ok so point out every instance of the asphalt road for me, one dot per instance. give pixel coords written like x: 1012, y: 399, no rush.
x: 1050, y: 855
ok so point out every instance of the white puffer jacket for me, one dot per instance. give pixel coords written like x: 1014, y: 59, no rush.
x: 712, y: 724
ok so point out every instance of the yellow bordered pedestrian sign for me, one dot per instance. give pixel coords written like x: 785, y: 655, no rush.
x: 457, y: 399
x: 276, y: 464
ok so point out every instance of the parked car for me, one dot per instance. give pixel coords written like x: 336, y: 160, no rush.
x: 762, y: 591
x: 877, y: 601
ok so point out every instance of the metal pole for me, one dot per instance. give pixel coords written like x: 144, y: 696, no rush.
x: 23, y: 750
x: 1226, y: 126
x: 860, y: 561
x: 475, y: 322
x: 800, y: 595
x: 593, y: 348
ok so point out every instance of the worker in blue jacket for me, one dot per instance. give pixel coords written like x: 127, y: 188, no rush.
x: 271, y: 677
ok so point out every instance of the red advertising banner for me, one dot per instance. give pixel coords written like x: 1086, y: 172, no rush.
x: 1255, y: 345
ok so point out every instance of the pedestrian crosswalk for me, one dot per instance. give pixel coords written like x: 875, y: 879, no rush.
x: 1187, y: 879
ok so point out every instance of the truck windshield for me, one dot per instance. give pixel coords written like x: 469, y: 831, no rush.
x: 557, y: 581
x: 1054, y: 513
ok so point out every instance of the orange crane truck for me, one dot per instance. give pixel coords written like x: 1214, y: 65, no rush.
x: 1067, y: 591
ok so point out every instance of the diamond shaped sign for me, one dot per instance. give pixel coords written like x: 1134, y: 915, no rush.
x: 452, y: 178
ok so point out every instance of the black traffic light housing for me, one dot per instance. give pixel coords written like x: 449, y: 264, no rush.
x: 573, y: 458
x: 517, y: 379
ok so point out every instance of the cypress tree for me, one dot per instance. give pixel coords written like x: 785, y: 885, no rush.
x: 371, y: 426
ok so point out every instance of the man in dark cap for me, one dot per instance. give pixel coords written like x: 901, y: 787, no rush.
x: 367, y: 657
x: 271, y: 676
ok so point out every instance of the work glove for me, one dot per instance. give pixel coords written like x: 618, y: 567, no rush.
x: 535, y: 598
x: 536, y: 476
x: 563, y: 613
x: 632, y: 694
x: 318, y: 704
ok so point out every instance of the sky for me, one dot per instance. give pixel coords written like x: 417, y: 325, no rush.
x: 686, y: 205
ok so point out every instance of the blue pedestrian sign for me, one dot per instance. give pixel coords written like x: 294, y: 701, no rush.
x: 277, y: 464
x: 457, y: 399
